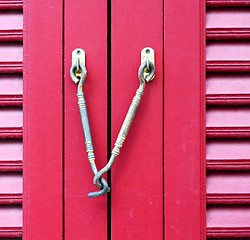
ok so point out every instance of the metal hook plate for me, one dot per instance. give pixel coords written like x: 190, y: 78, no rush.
x: 147, y: 54
x: 78, y: 57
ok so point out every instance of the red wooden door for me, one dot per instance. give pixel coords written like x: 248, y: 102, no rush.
x: 175, y: 177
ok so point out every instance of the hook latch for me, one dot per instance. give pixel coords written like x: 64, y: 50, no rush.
x: 78, y: 58
x: 147, y: 55
x: 78, y: 73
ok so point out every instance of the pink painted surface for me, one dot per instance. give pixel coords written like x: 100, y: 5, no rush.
x: 11, y: 52
x: 228, y: 186
x: 11, y: 117
x: 229, y: 216
x: 228, y: 50
x: 11, y: 84
x: 228, y: 182
x: 11, y: 150
x: 228, y: 83
x: 11, y: 183
x: 228, y: 149
x: 11, y: 20
x: 230, y: 116
x: 228, y: 18
x: 11, y: 216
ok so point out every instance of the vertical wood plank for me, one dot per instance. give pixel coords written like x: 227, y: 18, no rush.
x: 43, y: 120
x: 184, y: 120
x: 137, y: 175
x: 86, y: 28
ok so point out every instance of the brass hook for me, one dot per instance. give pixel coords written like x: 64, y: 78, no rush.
x: 146, y: 73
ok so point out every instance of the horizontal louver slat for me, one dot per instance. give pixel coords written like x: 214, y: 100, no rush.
x: 228, y: 232
x: 228, y: 3
x: 11, y: 4
x: 228, y: 66
x: 227, y: 33
x: 11, y: 67
x: 11, y: 166
x: 228, y: 198
x: 10, y: 232
x: 228, y: 132
x: 227, y: 99
x: 228, y: 164
x: 8, y: 133
x: 11, y: 100
x: 11, y: 199
x: 11, y: 35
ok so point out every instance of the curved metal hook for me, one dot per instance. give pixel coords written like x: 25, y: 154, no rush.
x: 126, y: 124
x: 85, y: 122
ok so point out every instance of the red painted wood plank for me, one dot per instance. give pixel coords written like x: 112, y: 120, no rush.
x: 228, y: 164
x: 43, y: 120
x: 228, y: 3
x: 11, y: 35
x: 11, y: 4
x: 227, y: 33
x: 8, y: 133
x: 10, y: 232
x: 137, y: 175
x: 228, y: 99
x: 227, y: 232
x: 86, y: 28
x: 11, y: 67
x: 11, y: 100
x: 11, y: 199
x: 228, y: 132
x: 184, y: 120
x: 228, y: 66
x: 228, y: 198
x: 11, y: 166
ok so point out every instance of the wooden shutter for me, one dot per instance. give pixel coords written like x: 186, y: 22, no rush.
x: 11, y: 119
x: 228, y: 119
x: 183, y: 172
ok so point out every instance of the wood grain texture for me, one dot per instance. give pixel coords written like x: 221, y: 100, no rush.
x: 86, y: 28
x: 137, y: 174
x: 43, y: 120
x: 184, y: 120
